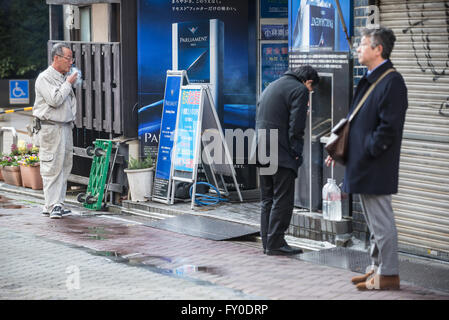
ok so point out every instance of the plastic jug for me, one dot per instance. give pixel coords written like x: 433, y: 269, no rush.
x: 325, y: 197
x: 331, y: 201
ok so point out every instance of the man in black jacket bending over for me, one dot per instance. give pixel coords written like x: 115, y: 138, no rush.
x: 282, y: 109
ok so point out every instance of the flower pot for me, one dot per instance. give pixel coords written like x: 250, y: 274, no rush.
x: 1, y: 176
x: 31, y: 177
x: 140, y: 183
x: 12, y: 176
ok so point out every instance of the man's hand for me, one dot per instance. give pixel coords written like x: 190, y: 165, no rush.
x: 329, y: 161
x: 72, y: 78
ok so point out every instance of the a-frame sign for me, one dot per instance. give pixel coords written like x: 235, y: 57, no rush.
x: 197, y: 116
x: 162, y: 180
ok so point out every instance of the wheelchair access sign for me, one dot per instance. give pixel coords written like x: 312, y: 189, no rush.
x: 19, y: 92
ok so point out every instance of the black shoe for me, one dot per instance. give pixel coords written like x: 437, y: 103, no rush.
x: 56, y: 213
x: 45, y: 213
x: 284, y: 251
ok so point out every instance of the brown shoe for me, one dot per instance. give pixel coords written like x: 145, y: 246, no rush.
x: 358, y: 279
x: 379, y: 282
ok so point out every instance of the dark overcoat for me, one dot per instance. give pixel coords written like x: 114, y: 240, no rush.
x: 375, y: 135
x: 283, y: 106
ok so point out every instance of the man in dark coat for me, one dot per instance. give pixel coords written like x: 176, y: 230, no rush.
x: 282, y: 112
x: 374, y: 148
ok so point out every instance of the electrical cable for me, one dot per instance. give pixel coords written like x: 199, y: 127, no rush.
x: 205, y: 199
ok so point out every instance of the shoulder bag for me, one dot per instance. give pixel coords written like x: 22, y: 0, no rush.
x: 337, y: 145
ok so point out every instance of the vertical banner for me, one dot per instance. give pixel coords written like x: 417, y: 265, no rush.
x: 168, y: 125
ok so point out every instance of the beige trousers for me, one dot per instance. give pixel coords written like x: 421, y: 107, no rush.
x: 56, y: 160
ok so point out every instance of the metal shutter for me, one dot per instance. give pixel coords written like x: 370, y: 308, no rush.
x: 421, y: 55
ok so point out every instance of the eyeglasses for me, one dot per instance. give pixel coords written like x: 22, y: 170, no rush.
x: 67, y: 58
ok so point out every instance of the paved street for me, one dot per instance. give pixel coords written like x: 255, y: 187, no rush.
x: 116, y: 257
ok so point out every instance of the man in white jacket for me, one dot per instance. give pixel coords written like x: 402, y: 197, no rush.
x: 55, y: 107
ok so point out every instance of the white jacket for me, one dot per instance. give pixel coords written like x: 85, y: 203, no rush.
x: 55, y: 99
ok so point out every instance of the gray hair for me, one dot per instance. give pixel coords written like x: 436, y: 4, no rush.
x: 57, y: 49
x: 381, y: 36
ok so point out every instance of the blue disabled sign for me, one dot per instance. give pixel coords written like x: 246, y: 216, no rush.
x: 19, y: 92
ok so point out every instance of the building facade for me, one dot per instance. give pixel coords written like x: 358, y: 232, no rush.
x: 107, y: 40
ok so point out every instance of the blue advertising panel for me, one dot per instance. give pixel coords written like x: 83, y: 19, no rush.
x: 274, y: 62
x: 273, y: 8
x: 149, y: 126
x: 168, y: 126
x: 274, y: 32
x: 155, y: 56
x: 193, y: 50
x: 185, y: 148
x: 315, y: 26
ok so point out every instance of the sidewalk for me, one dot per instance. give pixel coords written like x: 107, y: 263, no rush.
x: 230, y: 269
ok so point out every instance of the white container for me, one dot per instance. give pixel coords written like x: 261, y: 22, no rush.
x: 325, y: 197
x: 140, y: 183
x: 332, y: 201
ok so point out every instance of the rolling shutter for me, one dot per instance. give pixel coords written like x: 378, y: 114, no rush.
x: 421, y: 55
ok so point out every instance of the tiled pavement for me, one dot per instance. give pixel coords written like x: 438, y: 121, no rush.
x: 156, y: 264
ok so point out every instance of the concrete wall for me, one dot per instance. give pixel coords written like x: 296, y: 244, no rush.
x: 100, y: 22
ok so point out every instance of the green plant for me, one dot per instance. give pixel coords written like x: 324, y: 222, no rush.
x: 30, y: 160
x: 10, y: 160
x: 25, y: 149
x: 14, y: 150
x: 135, y: 164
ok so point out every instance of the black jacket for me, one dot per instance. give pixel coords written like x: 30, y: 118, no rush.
x: 283, y: 106
x: 375, y: 135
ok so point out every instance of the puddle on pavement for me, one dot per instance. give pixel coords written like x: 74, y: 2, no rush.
x: 97, y: 233
x: 82, y: 228
x: 159, y: 264
x: 5, y: 203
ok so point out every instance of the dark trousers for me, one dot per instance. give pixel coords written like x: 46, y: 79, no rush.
x: 277, y: 199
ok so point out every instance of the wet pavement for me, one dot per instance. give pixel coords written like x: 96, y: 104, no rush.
x: 118, y: 257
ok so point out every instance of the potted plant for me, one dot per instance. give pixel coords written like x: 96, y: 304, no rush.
x: 30, y: 172
x: 11, y: 170
x: 140, y: 178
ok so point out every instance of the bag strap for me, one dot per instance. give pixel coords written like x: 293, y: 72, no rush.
x: 371, y: 88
